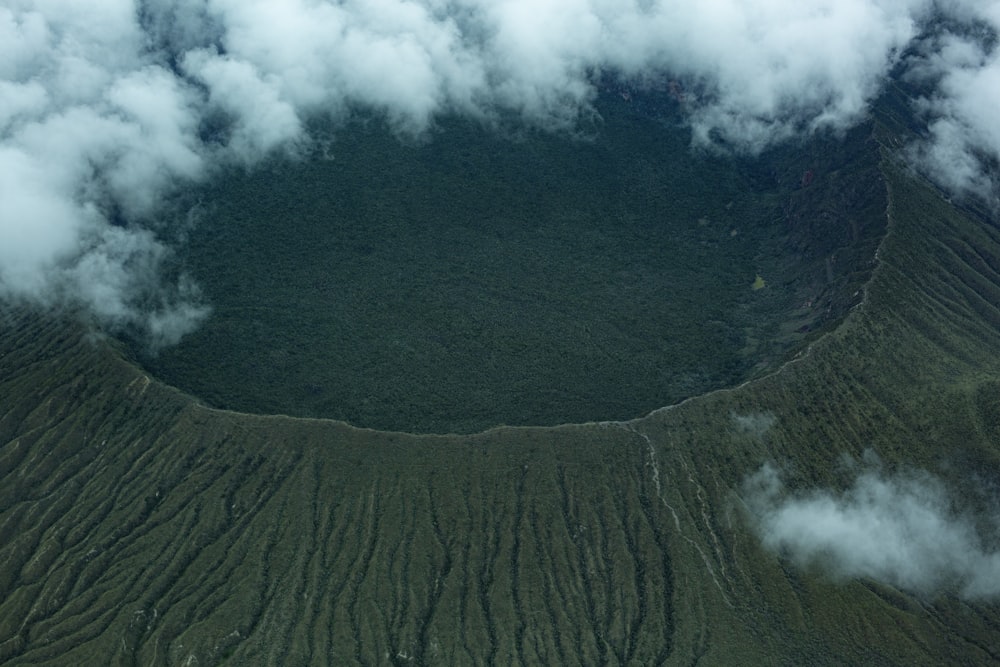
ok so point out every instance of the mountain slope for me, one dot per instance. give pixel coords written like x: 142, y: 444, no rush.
x: 139, y: 527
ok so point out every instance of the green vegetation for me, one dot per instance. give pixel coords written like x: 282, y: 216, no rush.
x: 473, y: 279
x: 138, y: 526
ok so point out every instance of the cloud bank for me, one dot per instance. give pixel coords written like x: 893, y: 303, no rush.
x: 108, y: 109
x: 903, y: 529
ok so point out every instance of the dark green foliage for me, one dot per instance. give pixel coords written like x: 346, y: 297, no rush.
x: 472, y: 279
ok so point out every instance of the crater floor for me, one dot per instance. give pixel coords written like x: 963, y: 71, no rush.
x: 476, y: 277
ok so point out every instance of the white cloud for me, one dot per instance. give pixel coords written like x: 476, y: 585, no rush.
x: 89, y: 125
x: 263, y: 121
x: 774, y: 69
x: 902, y: 529
x: 106, y: 108
x: 964, y: 141
x: 39, y: 225
x: 157, y: 142
x: 20, y: 100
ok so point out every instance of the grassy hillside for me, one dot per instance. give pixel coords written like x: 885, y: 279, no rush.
x: 138, y: 526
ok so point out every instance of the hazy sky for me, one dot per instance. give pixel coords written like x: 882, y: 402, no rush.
x: 104, y: 105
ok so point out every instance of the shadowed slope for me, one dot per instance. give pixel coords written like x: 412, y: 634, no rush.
x: 138, y: 527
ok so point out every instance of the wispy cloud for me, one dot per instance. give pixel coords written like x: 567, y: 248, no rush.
x: 95, y: 131
x: 963, y: 71
x: 902, y: 528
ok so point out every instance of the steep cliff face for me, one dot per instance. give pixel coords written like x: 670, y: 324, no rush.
x: 140, y: 527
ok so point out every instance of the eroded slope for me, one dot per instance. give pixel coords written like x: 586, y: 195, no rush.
x: 139, y: 527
